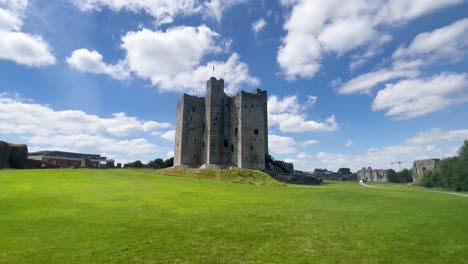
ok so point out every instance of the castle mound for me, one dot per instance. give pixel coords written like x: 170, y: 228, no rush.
x: 236, y: 175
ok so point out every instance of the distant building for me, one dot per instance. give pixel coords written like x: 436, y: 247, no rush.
x: 372, y: 175
x: 420, y: 166
x: 70, y: 159
x: 221, y: 130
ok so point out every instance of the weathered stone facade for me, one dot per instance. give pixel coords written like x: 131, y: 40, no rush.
x: 372, y: 175
x: 221, y: 130
x: 4, y: 155
x: 420, y: 166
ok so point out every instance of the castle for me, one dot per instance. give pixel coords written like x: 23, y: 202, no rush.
x: 372, y: 175
x: 222, y: 131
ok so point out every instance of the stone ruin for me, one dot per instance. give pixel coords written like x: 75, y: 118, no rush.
x: 13, y: 156
x: 222, y: 131
x: 420, y: 166
x: 372, y: 175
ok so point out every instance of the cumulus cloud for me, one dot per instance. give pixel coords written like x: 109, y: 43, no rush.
x: 365, y: 82
x: 349, y: 143
x: 17, y: 46
x: 290, y: 116
x: 286, y: 145
x: 315, y: 28
x: 258, y: 25
x: 436, y: 135
x: 43, y: 127
x: 164, y: 11
x: 417, y: 147
x: 20, y: 117
x: 416, y: 97
x: 169, y: 135
x: 172, y: 59
x: 91, y: 61
x: 446, y: 42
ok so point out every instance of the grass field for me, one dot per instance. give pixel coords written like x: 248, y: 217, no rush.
x: 131, y: 216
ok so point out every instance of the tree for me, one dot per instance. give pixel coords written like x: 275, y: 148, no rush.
x: 137, y: 164
x: 450, y: 172
x: 345, y: 171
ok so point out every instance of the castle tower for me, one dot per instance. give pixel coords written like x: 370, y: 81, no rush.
x: 222, y: 130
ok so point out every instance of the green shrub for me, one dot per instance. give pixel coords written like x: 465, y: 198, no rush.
x: 450, y: 173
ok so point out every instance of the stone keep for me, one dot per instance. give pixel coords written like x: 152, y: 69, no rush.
x: 372, y: 175
x: 420, y: 166
x: 220, y: 130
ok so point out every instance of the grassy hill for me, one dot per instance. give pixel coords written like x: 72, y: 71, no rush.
x: 137, y: 216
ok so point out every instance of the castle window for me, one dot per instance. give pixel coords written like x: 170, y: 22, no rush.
x: 251, y: 147
x: 235, y: 131
x: 190, y: 118
x: 194, y: 157
x: 225, y: 143
x: 203, y: 143
x: 227, y: 105
x: 195, y: 140
x: 193, y: 109
x: 216, y: 118
x: 232, y: 148
x: 252, y: 105
x: 256, y: 131
x: 203, y: 128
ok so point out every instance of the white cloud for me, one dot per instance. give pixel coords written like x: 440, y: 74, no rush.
x: 258, y: 25
x: 25, y: 49
x: 91, y: 61
x: 26, y: 118
x: 289, y: 115
x: 303, y: 155
x: 172, y: 59
x: 17, y: 46
x: 365, y: 82
x: 164, y: 11
x: 281, y: 145
x: 349, y: 143
x: 309, y: 142
x: 416, y: 97
x: 416, y: 147
x: 286, y: 145
x: 170, y: 154
x: 168, y: 135
x: 446, y: 42
x: 317, y: 27
x: 437, y: 135
x: 97, y: 143
x: 42, y: 127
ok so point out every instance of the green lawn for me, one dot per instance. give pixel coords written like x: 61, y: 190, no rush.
x: 130, y: 216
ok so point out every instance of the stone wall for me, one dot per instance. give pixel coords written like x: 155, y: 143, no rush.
x: 222, y: 130
x: 372, y: 175
x: 18, y: 156
x: 420, y: 166
x: 4, y: 155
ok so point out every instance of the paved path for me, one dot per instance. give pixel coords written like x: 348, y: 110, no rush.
x: 459, y: 194
x: 370, y: 186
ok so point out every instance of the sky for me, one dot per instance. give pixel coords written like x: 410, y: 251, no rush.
x: 350, y: 83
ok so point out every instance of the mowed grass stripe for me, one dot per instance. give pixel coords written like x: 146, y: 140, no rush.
x: 132, y: 216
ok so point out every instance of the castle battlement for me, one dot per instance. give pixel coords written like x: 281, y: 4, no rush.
x: 222, y: 130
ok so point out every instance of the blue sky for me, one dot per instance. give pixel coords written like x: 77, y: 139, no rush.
x: 350, y: 84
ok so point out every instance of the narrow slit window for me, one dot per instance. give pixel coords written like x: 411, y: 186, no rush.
x: 256, y: 131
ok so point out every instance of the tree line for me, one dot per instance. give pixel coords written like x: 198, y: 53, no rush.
x: 153, y: 164
x: 451, y: 173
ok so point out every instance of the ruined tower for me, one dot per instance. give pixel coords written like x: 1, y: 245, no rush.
x: 222, y: 130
